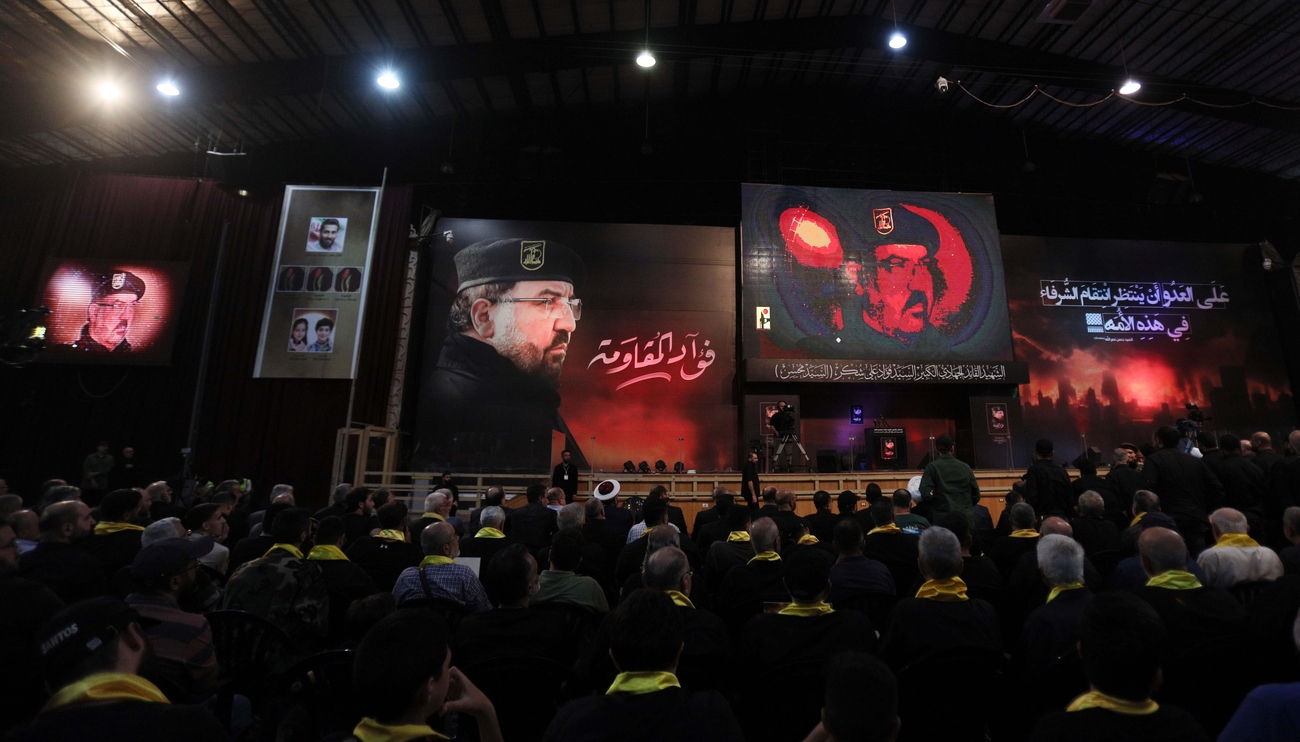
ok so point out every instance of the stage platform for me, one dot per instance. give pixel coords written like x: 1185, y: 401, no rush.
x: 691, y: 492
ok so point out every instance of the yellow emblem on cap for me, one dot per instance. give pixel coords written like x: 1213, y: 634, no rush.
x: 119, y: 280
x: 884, y: 220
x: 532, y: 254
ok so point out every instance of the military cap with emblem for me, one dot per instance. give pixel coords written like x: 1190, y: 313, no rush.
x: 116, y: 281
x: 894, y: 224
x: 517, y: 259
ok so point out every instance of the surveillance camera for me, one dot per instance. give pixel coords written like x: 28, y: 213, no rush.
x: 1268, y: 264
x: 941, y: 84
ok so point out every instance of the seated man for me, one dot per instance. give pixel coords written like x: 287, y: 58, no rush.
x: 646, y: 639
x: 1121, y: 642
x: 181, y: 641
x: 1025, y: 589
x: 889, y: 545
x: 561, y: 584
x: 851, y: 677
x: 359, y: 514
x: 822, y: 523
x: 1269, y: 712
x: 282, y: 586
x: 92, y: 652
x: 386, y: 555
x: 1052, y: 628
x: 600, y: 533
x: 512, y: 629
x: 732, y: 549
x: 533, y: 524
x: 655, y: 516
x: 941, y: 616
x: 437, y: 507
x: 346, y: 581
x: 116, y: 537
x: 27, y: 605
x: 787, y: 522
x: 1144, y: 502
x: 1092, y: 529
x: 747, y: 587
x: 903, y: 517
x: 438, y: 577
x: 403, y: 677
x: 807, y: 629
x: 255, y: 545
x: 59, y: 562
x: 489, y: 539
x: 208, y: 521
x: 1023, y: 539
x: 854, y: 574
x: 980, y: 574
x: 27, y: 529
x: 1235, y: 556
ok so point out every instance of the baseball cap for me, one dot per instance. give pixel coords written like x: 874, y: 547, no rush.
x: 81, y: 629
x: 517, y: 259
x: 168, y: 557
x: 607, y: 490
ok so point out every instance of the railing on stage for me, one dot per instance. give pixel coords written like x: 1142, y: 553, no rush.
x: 691, y: 492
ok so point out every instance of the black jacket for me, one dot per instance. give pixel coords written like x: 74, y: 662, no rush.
x: 1048, y: 489
x: 513, y: 632
x: 384, y: 560
x: 532, y: 525
x: 669, y: 714
x: 919, y: 627
x: 67, y: 570
x: 565, y: 477
x: 1126, y: 481
x: 1243, y: 484
x: 484, y: 548
x: 771, y: 640
x: 898, y: 552
x: 1187, y: 488
x: 1095, y: 534
x: 113, y: 550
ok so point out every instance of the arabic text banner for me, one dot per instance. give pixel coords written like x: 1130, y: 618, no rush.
x: 1120, y: 335
x: 311, y: 328
x: 648, y: 369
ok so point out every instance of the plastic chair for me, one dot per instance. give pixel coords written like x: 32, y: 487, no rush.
x: 957, y: 716
x: 527, y: 691
x: 249, y: 650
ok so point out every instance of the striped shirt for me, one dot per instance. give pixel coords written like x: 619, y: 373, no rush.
x: 182, y: 640
x: 454, y: 582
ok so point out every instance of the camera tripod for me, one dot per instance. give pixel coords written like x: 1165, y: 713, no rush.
x: 789, y: 439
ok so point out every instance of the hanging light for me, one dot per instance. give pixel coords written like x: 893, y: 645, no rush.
x: 1130, y: 87
x: 167, y: 87
x: 109, y: 91
x: 646, y: 59
x: 897, y: 41
x: 389, y: 80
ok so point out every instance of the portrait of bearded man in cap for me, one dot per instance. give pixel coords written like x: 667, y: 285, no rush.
x: 113, y: 302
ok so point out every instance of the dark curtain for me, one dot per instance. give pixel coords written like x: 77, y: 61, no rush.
x: 269, y: 430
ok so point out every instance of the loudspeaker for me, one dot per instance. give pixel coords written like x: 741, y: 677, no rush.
x: 828, y: 461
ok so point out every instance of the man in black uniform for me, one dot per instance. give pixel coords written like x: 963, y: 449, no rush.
x: 1187, y: 488
x: 749, y: 486
x: 493, y: 399
x: 113, y: 301
x: 565, y: 476
x: 1047, y: 486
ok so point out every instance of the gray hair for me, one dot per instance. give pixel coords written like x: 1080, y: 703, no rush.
x: 940, y: 553
x: 1146, y: 501
x: 161, y: 529
x: 340, y: 493
x: 1060, y: 559
x: 155, y: 491
x: 62, y: 493
x: 1228, y: 520
x: 1056, y: 526
x: 282, y: 489
x: 492, y: 517
x: 665, y: 568
x: 764, y: 535
x: 1294, y: 439
x: 460, y: 319
x: 285, y: 498
x: 436, y: 536
x: 1091, y: 503
x: 1119, y: 457
x: 593, y: 508
x: 435, y: 501
x: 1022, y: 516
x: 570, y: 516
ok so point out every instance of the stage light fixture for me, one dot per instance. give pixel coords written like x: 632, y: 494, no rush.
x: 643, y: 467
x: 389, y: 80
x: 897, y: 41
x: 109, y: 91
x: 679, y: 467
x: 167, y: 87
x: 660, y: 466
x: 1130, y: 87
x: 645, y: 59
x: 629, y: 467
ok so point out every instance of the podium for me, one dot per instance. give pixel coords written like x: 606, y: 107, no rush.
x: 888, y: 448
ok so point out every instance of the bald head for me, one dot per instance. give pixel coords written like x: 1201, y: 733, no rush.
x: 66, y: 521
x: 1261, y: 441
x: 554, y: 496
x: 666, y: 569
x: 1055, y: 526
x: 1161, y: 550
x: 439, y: 540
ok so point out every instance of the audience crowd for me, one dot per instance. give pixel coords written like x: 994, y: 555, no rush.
x: 1157, y: 602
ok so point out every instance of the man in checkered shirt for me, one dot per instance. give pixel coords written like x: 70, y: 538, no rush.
x: 438, y: 577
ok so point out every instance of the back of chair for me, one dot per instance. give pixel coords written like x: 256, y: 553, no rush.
x: 1246, y: 592
x: 249, y: 650
x: 787, y: 715
x: 319, y: 692
x: 931, y: 709
x: 527, y: 692
x: 877, y: 606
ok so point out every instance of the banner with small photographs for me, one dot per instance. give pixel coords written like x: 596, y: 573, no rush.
x: 312, y: 325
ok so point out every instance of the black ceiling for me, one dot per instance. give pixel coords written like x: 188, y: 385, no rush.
x: 1219, y: 76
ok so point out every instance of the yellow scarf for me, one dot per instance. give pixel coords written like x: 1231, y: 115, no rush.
x: 1227, y: 539
x: 767, y: 556
x: 107, y: 527
x: 106, y: 686
x: 637, y: 683
x: 738, y: 536
x: 436, y: 559
x: 433, y: 516
x: 945, y: 591
x: 370, y: 730
x: 1175, y: 579
x: 1098, y: 700
x: 807, y: 540
x: 679, y: 599
x: 820, y: 608
x: 284, y: 547
x: 486, y: 532
x: 1062, y: 588
x: 327, y: 553
x: 890, y: 528
x: 392, y: 534
x: 1024, y: 533
x: 1136, y: 519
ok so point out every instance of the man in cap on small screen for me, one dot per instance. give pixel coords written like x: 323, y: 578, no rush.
x: 113, y: 302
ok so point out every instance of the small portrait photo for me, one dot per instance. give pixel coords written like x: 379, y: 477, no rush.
x: 291, y: 278
x: 312, y: 331
x: 326, y: 233
x: 320, y: 279
x: 348, y: 280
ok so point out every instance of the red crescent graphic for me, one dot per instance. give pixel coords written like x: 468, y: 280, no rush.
x: 954, y: 264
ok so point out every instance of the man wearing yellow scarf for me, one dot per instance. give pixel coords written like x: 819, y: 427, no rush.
x: 117, y: 534
x: 941, y: 616
x: 1051, y: 629
x: 1235, y: 556
x: 92, y: 652
x: 759, y: 579
x: 1006, y: 552
x: 888, y: 544
x: 1120, y: 642
x: 645, y: 642
x: 283, y: 586
x: 404, y: 679
x: 490, y: 537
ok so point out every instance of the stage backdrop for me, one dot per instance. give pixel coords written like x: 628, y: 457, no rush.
x: 1121, y: 335
x: 648, y: 369
x: 891, y: 277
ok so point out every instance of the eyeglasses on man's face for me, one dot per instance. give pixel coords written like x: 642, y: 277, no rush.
x: 553, y: 306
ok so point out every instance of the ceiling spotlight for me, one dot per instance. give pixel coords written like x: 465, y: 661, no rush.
x: 167, y: 87
x: 897, y: 41
x: 242, y: 192
x: 389, y: 80
x: 108, y: 91
x: 646, y: 59
x: 1130, y: 87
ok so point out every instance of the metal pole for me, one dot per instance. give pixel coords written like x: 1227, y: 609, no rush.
x: 192, y: 439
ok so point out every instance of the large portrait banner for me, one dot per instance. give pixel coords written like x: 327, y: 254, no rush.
x: 312, y: 325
